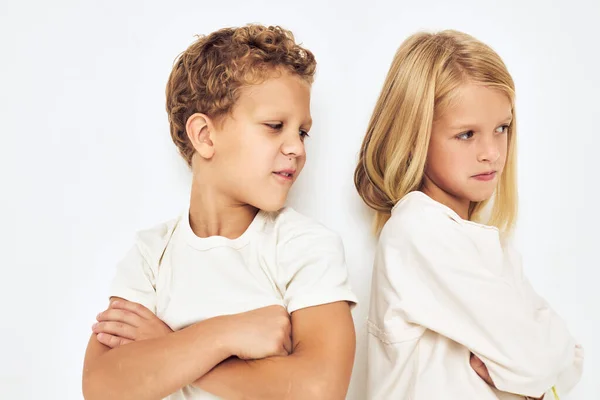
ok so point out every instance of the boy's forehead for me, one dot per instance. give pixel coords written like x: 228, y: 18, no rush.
x: 277, y: 93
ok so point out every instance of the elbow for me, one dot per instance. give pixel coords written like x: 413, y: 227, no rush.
x: 319, y: 392
x: 322, y: 388
x: 94, y: 388
x: 89, y: 386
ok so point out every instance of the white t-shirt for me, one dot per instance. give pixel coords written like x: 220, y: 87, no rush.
x: 444, y: 287
x: 283, y: 258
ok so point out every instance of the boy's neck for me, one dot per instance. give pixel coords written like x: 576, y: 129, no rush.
x: 213, y: 214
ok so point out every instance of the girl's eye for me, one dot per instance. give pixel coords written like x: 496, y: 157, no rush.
x: 465, y: 135
x: 276, y: 126
x: 303, y: 134
x: 502, y: 129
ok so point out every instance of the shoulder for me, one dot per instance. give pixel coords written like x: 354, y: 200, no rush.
x: 152, y: 242
x: 292, y: 225
x: 300, y: 233
x: 418, y: 217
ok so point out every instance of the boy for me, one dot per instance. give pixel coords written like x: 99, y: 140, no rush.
x: 239, y: 297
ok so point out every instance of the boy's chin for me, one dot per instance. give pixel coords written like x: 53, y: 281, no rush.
x: 270, y: 205
x: 273, y: 207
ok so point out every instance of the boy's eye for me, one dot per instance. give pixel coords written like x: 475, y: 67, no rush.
x: 465, y: 135
x: 502, y: 129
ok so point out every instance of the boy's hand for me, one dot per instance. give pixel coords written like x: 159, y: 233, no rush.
x: 260, y: 333
x: 481, y: 370
x: 124, y: 322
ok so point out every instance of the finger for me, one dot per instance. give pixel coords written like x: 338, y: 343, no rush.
x: 287, y: 345
x: 111, y: 340
x: 117, y: 315
x: 130, y: 306
x: 481, y: 369
x: 115, y: 328
x: 289, y: 342
x: 476, y: 361
x: 476, y: 364
x: 282, y: 352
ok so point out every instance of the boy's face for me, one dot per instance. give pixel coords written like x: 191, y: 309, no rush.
x: 468, y: 146
x: 259, y: 146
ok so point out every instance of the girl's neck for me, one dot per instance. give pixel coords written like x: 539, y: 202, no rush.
x: 458, y: 205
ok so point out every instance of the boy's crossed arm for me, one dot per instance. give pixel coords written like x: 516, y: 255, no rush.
x: 319, y: 367
x: 134, y: 355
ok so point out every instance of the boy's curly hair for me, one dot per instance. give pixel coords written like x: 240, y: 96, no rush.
x: 206, y: 77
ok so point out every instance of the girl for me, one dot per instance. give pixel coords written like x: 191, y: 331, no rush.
x: 452, y: 315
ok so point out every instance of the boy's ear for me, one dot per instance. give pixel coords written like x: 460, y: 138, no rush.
x: 199, y: 129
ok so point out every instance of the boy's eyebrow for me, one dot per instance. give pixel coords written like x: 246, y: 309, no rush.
x: 306, y: 122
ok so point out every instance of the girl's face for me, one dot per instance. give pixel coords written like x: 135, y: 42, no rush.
x: 468, y: 146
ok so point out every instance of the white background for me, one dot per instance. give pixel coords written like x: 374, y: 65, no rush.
x: 87, y: 160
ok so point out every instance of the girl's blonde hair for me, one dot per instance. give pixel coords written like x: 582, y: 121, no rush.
x: 424, y: 77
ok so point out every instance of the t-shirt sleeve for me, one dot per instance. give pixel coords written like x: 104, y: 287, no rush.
x: 135, y: 280
x: 314, y: 269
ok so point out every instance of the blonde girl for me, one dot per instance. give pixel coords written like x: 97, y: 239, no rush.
x: 452, y: 315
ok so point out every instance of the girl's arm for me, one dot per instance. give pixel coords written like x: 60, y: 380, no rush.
x: 569, y: 376
x: 438, y: 280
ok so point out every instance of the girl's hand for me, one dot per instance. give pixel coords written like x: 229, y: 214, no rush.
x: 481, y: 370
x: 125, y: 321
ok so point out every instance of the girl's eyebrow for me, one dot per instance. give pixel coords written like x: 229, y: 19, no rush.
x: 463, y: 126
